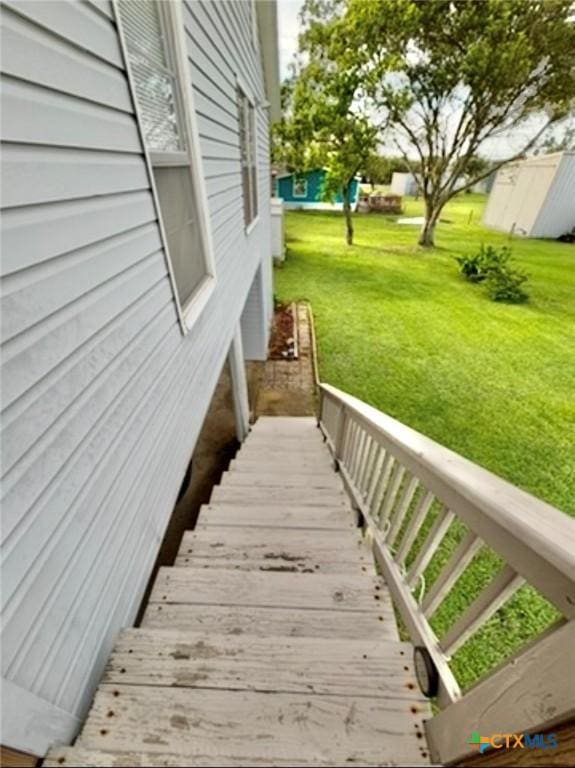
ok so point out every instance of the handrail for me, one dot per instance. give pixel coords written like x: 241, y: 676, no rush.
x: 396, y: 477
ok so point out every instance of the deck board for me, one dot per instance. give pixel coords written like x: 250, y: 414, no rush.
x: 273, y: 549
x: 300, y: 591
x: 291, y: 665
x: 244, y: 724
x: 277, y: 515
x: 265, y: 622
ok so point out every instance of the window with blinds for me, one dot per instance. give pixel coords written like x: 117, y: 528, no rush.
x: 149, y: 30
x: 247, y: 123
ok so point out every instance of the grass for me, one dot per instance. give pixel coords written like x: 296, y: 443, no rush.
x: 399, y: 328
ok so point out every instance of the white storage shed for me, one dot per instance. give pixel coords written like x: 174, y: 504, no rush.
x: 403, y: 184
x: 534, y: 197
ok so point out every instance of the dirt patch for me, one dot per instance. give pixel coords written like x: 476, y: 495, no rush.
x: 283, y: 338
x: 287, y: 387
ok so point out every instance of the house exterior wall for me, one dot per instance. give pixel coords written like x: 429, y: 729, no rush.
x: 522, y: 199
x: 313, y: 198
x: 103, y: 396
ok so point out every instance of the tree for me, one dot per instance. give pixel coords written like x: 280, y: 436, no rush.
x: 326, y: 123
x: 453, y: 77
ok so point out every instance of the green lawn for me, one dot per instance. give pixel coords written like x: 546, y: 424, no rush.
x: 399, y: 328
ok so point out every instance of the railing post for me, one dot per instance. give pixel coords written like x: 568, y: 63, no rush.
x: 338, y: 445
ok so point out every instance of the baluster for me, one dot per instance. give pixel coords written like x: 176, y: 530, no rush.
x: 391, y: 494
x: 403, y: 506
x: 348, y: 441
x: 366, y: 463
x: 498, y: 592
x: 376, y: 474
x: 340, y: 434
x: 468, y: 547
x: 358, y: 447
x: 415, y: 524
x: 430, y: 545
x: 388, y: 467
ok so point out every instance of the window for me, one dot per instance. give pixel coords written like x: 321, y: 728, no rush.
x: 162, y: 90
x: 299, y: 187
x: 247, y: 121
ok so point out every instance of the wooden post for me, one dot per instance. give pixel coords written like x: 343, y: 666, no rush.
x: 239, y: 386
x: 342, y: 421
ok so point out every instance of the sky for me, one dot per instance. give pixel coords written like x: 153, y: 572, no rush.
x: 288, y: 31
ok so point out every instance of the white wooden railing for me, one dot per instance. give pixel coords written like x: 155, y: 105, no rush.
x: 403, y: 484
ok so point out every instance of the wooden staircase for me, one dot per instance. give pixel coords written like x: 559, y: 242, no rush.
x: 271, y: 641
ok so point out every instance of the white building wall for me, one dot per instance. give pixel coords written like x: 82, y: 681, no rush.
x: 557, y: 214
x: 534, y: 197
x: 103, y: 397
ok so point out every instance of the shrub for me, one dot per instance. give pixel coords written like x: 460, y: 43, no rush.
x: 492, y: 266
x: 505, y: 285
x: 477, y: 268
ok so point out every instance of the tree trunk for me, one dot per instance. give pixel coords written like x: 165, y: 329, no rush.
x: 347, y: 214
x: 427, y: 234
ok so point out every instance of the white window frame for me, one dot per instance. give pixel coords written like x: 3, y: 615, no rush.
x: 241, y: 86
x: 172, y: 20
x: 295, y: 179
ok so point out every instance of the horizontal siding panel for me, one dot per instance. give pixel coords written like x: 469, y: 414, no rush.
x: 31, y: 53
x: 211, y: 148
x: 216, y: 167
x: 35, y: 528
x: 37, y: 620
x: 28, y: 359
x: 103, y: 6
x: 46, y: 174
x: 40, y: 296
x: 31, y: 416
x: 81, y: 24
x: 39, y: 116
x: 208, y: 107
x: 33, y: 235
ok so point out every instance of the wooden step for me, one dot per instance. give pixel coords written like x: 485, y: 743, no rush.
x: 273, y: 549
x: 266, y: 622
x: 283, y: 664
x: 286, y: 425
x: 278, y: 494
x: 266, y: 465
x: 252, y: 725
x: 73, y: 757
x: 284, y: 477
x: 277, y: 515
x: 299, y: 591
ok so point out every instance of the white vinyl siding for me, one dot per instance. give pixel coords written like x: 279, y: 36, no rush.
x: 103, y: 397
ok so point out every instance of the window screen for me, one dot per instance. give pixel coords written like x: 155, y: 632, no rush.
x: 247, y: 123
x: 149, y: 38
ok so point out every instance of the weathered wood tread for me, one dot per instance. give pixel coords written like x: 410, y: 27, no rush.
x: 244, y: 724
x: 313, y: 497
x: 300, y: 591
x: 273, y: 549
x: 372, y: 668
x: 276, y: 515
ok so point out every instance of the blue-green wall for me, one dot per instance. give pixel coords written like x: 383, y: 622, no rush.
x: 314, y: 183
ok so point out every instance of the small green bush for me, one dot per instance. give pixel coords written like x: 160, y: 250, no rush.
x: 505, y: 285
x: 477, y: 267
x: 491, y: 266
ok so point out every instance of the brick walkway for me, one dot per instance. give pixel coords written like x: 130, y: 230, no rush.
x: 287, y: 387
